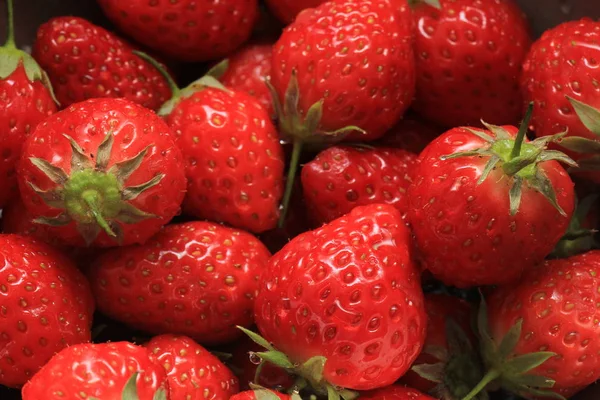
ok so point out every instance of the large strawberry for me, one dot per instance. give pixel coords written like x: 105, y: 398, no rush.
x: 119, y: 370
x: 198, y: 279
x: 485, y: 204
x: 540, y: 336
x: 45, y: 305
x: 561, y: 76
x: 185, y: 30
x: 341, y: 178
x: 395, y: 392
x: 344, y: 302
x: 86, y: 61
x: 469, y: 56
x: 287, y: 10
x: 25, y: 100
x: 102, y: 172
x: 193, y: 372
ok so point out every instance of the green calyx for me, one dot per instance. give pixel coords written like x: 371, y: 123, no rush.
x: 506, y: 369
x: 519, y: 160
x: 94, y: 196
x: 130, y: 391
x: 590, y: 118
x: 578, y: 239
x: 309, y: 374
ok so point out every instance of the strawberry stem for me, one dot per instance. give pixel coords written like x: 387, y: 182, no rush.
x: 10, y: 27
x: 489, y: 377
x: 289, y: 184
x: 516, y: 151
x: 92, y: 199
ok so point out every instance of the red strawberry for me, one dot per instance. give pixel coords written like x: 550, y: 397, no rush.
x: 85, y: 61
x: 186, y: 30
x: 485, y: 205
x: 45, y: 305
x: 102, y: 172
x: 341, y: 178
x: 561, y: 76
x: 395, y: 392
x: 198, y: 279
x: 469, y: 56
x: 287, y: 10
x: 193, y: 372
x: 344, y: 302
x: 101, y: 371
x: 541, y: 335
x: 247, y: 71
x: 263, y: 394
x: 411, y: 134
x: 25, y: 100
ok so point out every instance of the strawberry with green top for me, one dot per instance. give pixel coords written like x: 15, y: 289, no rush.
x: 26, y: 99
x: 103, y: 172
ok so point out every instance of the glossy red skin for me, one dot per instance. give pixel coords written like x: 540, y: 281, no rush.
x: 287, y: 10
x: 395, y: 392
x: 134, y: 128
x: 23, y: 105
x: 45, y: 303
x: 411, y: 134
x: 450, y: 211
x: 86, y: 61
x: 192, y: 371
x: 185, y: 30
x: 439, y: 308
x: 97, y: 370
x: 233, y: 159
x: 250, y: 395
x: 469, y: 57
x: 197, y: 279
x: 271, y: 376
x: 352, y: 294
x: 341, y: 178
x: 361, y: 84
x: 248, y: 69
x: 544, y: 299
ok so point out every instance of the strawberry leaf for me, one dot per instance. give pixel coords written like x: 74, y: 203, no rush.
x: 515, y: 195
x: 580, y: 145
x: 130, y: 390
x: 276, y: 358
x: 431, y: 372
x: 526, y: 362
x: 256, y: 338
x: 589, y: 116
x: 218, y: 70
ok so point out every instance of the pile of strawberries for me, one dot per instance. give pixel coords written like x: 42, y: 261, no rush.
x: 378, y: 203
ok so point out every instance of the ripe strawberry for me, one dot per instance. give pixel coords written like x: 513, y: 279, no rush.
x: 395, y: 392
x: 247, y: 71
x: 185, y: 30
x: 86, y: 61
x: 410, y: 134
x: 25, y: 100
x: 197, y: 278
x: 45, y: 304
x: 541, y: 335
x: 287, y: 10
x: 469, y: 56
x: 105, y: 165
x: 561, y: 76
x: 263, y: 394
x: 344, y: 302
x: 341, y: 178
x: 193, y: 372
x: 484, y: 205
x: 101, y: 371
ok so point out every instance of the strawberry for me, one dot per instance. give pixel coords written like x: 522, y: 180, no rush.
x: 539, y: 337
x: 287, y: 10
x: 185, y: 30
x: 86, y: 61
x: 395, y: 392
x: 411, y: 134
x: 341, y: 178
x: 344, y: 303
x: 101, y: 371
x: 485, y: 205
x: 469, y: 56
x: 263, y: 394
x: 197, y: 278
x: 25, y: 100
x: 102, y: 172
x: 193, y: 372
x: 45, y: 304
x: 561, y: 76
x: 247, y: 71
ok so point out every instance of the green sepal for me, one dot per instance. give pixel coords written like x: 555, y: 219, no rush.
x: 312, y: 369
x: 256, y: 338
x: 491, y: 164
x: 580, y: 145
x: 481, y: 134
x: 578, y: 239
x: 276, y: 358
x: 542, y: 184
x: 431, y: 372
x: 499, y: 132
x: 130, y: 391
x: 218, y: 70
x: 589, y: 116
x: 514, y: 195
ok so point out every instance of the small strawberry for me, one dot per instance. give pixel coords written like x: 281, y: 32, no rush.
x: 86, y: 61
x: 25, y: 100
x: 287, y: 10
x: 343, y: 303
x: 263, y: 394
x: 410, y: 134
x: 247, y: 71
x: 539, y: 337
x: 185, y: 30
x: 197, y: 279
x: 395, y: 392
x: 45, y: 305
x: 193, y: 372
x: 485, y: 204
x: 102, y: 172
x: 99, y: 371
x: 341, y: 178
x: 469, y: 56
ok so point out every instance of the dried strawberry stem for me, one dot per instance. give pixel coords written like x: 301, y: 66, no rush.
x: 489, y: 377
x: 291, y: 177
x: 516, y: 151
x: 10, y: 27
